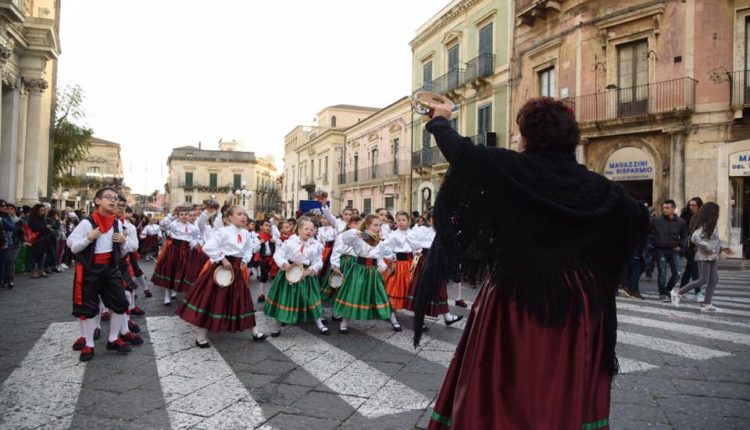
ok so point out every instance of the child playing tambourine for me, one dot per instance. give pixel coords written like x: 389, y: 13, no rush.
x: 294, y: 303
x: 212, y: 307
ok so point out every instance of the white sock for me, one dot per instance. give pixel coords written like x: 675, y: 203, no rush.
x: 102, y: 308
x: 143, y: 282
x: 88, y: 326
x: 202, y: 334
x: 459, y: 284
x: 129, y: 296
x: 343, y: 324
x: 393, y: 318
x: 173, y: 293
x: 166, y: 296
x: 276, y: 325
x: 98, y: 320
x: 82, y: 328
x: 319, y: 323
x: 124, y: 328
x: 115, y: 326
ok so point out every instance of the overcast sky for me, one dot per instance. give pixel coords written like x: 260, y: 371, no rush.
x: 159, y: 74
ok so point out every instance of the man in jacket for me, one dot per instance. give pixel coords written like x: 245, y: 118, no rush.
x: 669, y: 232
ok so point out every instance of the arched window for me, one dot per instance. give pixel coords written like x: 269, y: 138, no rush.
x: 333, y: 121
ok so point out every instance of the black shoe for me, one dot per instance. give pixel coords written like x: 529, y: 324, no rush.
x: 344, y: 330
x: 461, y: 304
x: 204, y: 344
x: 132, y: 339
x: 79, y: 344
x: 106, y: 316
x: 97, y: 333
x: 397, y: 327
x: 168, y: 304
x: 324, y: 320
x: 259, y: 337
x: 337, y: 317
x: 10, y: 285
x: 458, y: 318
x: 148, y: 293
x: 261, y: 298
x: 275, y: 333
x: 665, y: 298
x: 324, y: 331
x: 87, y: 353
x: 133, y: 327
x: 119, y: 345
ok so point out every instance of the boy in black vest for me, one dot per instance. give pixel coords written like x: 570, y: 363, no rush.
x: 98, y: 244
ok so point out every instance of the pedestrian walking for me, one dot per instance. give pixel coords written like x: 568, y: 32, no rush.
x: 690, y: 273
x: 670, y: 235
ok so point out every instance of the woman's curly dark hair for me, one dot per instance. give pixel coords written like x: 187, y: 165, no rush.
x: 546, y: 123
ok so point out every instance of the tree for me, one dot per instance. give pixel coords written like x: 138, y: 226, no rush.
x: 72, y: 136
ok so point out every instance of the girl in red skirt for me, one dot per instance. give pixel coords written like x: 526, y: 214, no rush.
x: 149, y: 243
x: 400, y: 253
x: 327, y: 237
x: 420, y: 239
x: 172, y: 271
x: 211, y: 307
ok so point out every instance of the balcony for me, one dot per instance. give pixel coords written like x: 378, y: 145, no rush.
x: 529, y: 10
x: 676, y: 97
x: 427, y: 157
x: 203, y: 187
x: 740, y: 82
x: 447, y: 83
x: 480, y: 67
x: 486, y: 139
x: 374, y: 173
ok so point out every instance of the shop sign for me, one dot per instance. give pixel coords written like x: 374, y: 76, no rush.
x: 739, y: 164
x: 629, y: 164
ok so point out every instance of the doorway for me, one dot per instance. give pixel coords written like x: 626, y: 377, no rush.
x: 643, y: 191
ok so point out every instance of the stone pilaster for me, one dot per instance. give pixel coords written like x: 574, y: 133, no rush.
x: 36, y: 88
x: 23, y: 103
x: 9, y: 142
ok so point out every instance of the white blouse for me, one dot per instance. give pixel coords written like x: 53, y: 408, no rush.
x: 77, y: 240
x: 385, y: 230
x: 150, y: 230
x: 131, y: 234
x: 293, y: 250
x: 326, y: 234
x: 230, y: 241
x: 340, y: 249
x: 420, y: 237
x: 365, y: 250
x: 181, y: 231
x: 397, y: 242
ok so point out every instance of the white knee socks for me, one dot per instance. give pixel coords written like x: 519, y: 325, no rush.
x: 167, y: 299
x: 343, y: 324
x: 202, y: 334
x: 393, y: 318
x: 115, y: 326
x: 319, y: 323
x: 88, y: 326
x: 131, y: 299
x: 143, y: 282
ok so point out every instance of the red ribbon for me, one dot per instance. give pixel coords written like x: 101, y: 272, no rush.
x: 239, y: 238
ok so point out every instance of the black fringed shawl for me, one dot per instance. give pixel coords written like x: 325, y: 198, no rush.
x: 531, y: 221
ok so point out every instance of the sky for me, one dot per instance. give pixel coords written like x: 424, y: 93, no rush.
x: 160, y: 74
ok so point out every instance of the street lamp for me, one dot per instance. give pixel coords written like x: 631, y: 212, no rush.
x: 245, y: 194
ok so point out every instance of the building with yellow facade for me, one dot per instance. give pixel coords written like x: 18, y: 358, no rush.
x: 29, y: 48
x: 102, y: 166
x: 197, y: 174
x: 461, y: 52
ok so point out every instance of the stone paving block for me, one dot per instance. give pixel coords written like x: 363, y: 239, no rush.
x: 280, y: 394
x: 388, y: 422
x: 699, y: 406
x: 322, y: 405
x: 707, y: 421
x: 627, y: 412
x: 713, y: 389
x: 300, y: 422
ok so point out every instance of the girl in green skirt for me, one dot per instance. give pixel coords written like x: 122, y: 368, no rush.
x: 299, y: 302
x: 342, y: 259
x: 362, y: 296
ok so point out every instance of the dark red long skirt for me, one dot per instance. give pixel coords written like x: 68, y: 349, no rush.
x: 198, y: 259
x: 511, y: 372
x: 327, y: 251
x: 219, y: 309
x: 436, y: 307
x: 149, y: 245
x: 173, y: 266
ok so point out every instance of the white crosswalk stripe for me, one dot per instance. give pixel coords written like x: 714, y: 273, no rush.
x: 371, y: 392
x: 668, y: 346
x: 43, y: 391
x: 681, y: 313
x: 630, y: 366
x: 200, y: 389
x: 733, y: 337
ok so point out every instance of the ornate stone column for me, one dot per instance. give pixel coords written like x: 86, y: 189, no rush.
x: 36, y: 88
x: 7, y: 148
x: 23, y: 103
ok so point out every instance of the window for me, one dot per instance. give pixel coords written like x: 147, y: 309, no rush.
x: 395, y: 156
x: 312, y: 168
x: 485, y: 39
x: 547, y: 83
x: 320, y: 169
x: 632, y: 78
x: 426, y: 139
x: 484, y: 119
x: 188, y: 179
x: 389, y: 204
x: 453, y: 71
x: 366, y: 206
x: 188, y: 199
x: 426, y: 199
x: 350, y: 203
x: 427, y: 76
x: 454, y: 123
x: 374, y: 164
x: 356, y: 167
x: 237, y: 181
x: 325, y: 172
x: 746, y: 92
x: 213, y: 180
x: 94, y: 171
x: 333, y: 121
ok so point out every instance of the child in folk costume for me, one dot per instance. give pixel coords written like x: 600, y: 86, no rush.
x: 299, y: 302
x: 420, y: 238
x: 400, y: 253
x: 362, y: 295
x: 267, y: 266
x: 138, y: 276
x: 172, y: 271
x: 385, y: 228
x: 204, y: 220
x: 327, y: 238
x: 211, y: 307
x: 342, y: 258
x: 126, y: 268
x: 149, y: 243
x: 98, y: 244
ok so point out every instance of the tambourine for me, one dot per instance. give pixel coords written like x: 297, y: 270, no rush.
x: 223, y: 277
x: 295, y: 273
x: 321, y: 193
x: 211, y: 203
x: 336, y: 280
x: 424, y: 102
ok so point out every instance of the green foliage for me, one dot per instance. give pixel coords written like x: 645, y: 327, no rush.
x: 72, y: 136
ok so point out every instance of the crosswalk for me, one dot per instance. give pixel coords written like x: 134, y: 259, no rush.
x: 202, y: 389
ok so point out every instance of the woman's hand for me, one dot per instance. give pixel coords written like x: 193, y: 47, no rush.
x: 442, y: 109
x: 226, y: 264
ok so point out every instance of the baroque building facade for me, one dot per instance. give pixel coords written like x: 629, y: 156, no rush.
x: 461, y: 52
x: 29, y: 48
x: 101, y: 166
x: 197, y: 174
x: 314, y: 156
x: 659, y: 89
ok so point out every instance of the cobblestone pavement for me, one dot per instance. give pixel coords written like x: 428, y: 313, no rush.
x: 682, y: 369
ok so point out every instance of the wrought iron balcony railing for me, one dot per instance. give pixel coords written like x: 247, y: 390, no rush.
x: 676, y: 95
x: 480, y: 67
x: 446, y: 83
x: 427, y: 157
x: 379, y: 171
x: 740, y: 82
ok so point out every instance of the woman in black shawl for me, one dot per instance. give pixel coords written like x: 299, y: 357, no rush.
x: 39, y: 236
x: 553, y: 239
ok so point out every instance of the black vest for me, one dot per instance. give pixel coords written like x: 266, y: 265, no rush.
x: 86, y: 257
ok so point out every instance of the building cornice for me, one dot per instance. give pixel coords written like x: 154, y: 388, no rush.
x: 442, y: 22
